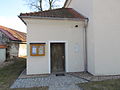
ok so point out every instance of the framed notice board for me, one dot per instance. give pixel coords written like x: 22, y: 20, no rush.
x: 37, y: 49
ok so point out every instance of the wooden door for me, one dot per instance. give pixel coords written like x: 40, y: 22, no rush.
x: 57, y: 57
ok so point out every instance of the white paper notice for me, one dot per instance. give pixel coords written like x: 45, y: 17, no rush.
x: 41, y: 50
x: 34, y: 50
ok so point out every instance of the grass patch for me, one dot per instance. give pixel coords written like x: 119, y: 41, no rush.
x: 102, y: 85
x: 9, y: 74
x: 39, y: 88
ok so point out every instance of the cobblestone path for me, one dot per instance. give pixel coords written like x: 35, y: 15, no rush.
x: 67, y: 82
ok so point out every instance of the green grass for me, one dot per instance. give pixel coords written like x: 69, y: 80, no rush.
x: 102, y: 85
x: 9, y: 74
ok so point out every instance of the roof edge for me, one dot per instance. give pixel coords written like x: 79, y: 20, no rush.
x: 22, y: 20
x: 3, y: 46
x: 52, y: 18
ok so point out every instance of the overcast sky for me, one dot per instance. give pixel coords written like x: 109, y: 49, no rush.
x: 9, y: 11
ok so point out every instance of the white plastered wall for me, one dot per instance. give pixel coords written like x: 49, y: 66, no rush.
x: 22, y: 50
x: 103, y: 34
x: 85, y: 7
x: 107, y: 37
x: 45, y: 31
x: 14, y: 49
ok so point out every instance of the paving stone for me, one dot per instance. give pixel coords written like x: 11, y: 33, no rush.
x: 89, y: 77
x: 67, y: 82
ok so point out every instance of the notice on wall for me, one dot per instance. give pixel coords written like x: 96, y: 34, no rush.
x: 37, y: 49
x: 41, y: 49
x: 34, y: 50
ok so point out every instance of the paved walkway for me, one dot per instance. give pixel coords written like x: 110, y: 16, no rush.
x: 67, y: 82
x: 89, y: 77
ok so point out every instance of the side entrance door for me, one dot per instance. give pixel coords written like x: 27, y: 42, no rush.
x: 57, y: 57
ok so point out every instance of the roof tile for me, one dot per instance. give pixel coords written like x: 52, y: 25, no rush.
x: 13, y: 34
x: 56, y: 13
x: 3, y: 46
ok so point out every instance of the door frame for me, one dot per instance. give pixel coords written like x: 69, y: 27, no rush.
x: 49, y: 53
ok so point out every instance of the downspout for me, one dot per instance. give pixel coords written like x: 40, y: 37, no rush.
x: 85, y: 45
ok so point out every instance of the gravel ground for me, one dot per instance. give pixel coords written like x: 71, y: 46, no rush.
x: 54, y: 82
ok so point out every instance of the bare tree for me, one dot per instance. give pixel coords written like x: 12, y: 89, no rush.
x: 35, y: 4
x: 41, y: 5
x: 50, y: 4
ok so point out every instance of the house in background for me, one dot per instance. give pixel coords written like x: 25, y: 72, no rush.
x: 2, y: 53
x: 10, y: 43
x: 82, y: 36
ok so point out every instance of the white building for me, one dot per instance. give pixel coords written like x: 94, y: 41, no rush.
x: 85, y: 38
x: 61, y: 32
x: 103, y: 34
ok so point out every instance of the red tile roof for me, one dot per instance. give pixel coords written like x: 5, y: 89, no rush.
x: 8, y: 34
x: 13, y: 34
x: 56, y: 13
x: 3, y: 46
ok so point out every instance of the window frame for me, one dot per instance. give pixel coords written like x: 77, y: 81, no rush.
x: 37, y: 49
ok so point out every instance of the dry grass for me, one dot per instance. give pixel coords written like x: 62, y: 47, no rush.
x: 102, y: 85
x: 8, y: 75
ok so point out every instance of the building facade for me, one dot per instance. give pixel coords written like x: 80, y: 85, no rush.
x: 61, y: 34
x: 90, y: 43
x: 103, y: 33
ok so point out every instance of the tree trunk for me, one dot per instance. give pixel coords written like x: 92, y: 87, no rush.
x: 40, y: 2
x: 50, y: 4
